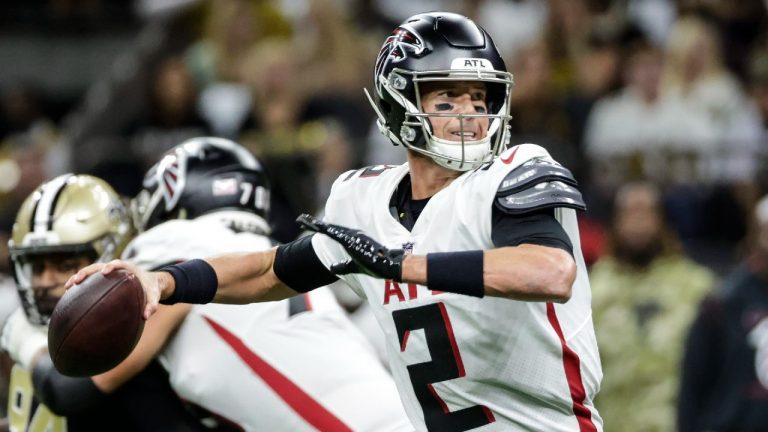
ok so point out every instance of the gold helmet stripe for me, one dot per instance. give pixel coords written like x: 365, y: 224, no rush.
x: 46, y: 205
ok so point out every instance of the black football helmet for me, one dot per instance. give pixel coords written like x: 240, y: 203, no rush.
x: 200, y: 176
x: 440, y: 46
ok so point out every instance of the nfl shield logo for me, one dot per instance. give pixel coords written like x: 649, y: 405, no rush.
x: 408, y: 248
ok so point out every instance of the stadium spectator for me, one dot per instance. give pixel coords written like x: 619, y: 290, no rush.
x: 758, y: 85
x: 515, y: 24
x: 696, y: 78
x: 171, y: 115
x: 304, y: 157
x: 645, y: 293
x: 715, y: 168
x: 739, y: 25
x: 232, y: 30
x: 538, y: 114
x: 618, y: 134
x: 22, y: 107
x: 719, y: 389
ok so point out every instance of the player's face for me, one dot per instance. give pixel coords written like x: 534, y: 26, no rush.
x: 456, y: 97
x: 49, y: 272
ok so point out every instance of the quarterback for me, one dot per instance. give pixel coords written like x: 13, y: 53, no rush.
x: 468, y: 254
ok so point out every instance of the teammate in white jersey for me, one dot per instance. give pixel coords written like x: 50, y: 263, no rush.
x: 297, y: 365
x: 478, y: 282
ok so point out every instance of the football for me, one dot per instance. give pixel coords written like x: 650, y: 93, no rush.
x: 96, y: 324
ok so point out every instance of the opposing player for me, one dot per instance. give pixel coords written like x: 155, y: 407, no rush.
x: 68, y: 222
x: 479, y: 284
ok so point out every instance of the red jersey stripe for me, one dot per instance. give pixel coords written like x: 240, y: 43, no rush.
x: 572, y: 366
x: 304, y: 405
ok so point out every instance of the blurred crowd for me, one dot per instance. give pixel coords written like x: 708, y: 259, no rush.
x: 659, y: 107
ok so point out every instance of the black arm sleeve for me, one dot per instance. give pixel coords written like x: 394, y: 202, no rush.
x: 537, y: 227
x: 297, y: 265
x: 63, y: 395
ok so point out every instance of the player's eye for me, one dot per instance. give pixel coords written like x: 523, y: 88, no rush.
x: 38, y: 267
x: 444, y: 106
x: 478, y: 96
x: 68, y: 265
x: 480, y: 109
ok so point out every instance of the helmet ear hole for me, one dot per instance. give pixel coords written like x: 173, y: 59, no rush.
x: 496, y: 97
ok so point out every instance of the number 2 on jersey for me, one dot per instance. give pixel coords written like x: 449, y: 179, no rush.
x: 446, y: 364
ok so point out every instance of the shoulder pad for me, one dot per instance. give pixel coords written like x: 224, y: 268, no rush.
x: 534, y: 172
x: 369, y: 171
x: 538, y: 184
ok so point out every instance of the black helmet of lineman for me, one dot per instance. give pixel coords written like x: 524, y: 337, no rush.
x: 440, y: 46
x: 70, y: 215
x: 200, y: 176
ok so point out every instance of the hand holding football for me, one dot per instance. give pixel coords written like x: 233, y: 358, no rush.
x: 97, y: 323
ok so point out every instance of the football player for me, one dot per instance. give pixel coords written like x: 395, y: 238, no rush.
x: 68, y: 222
x: 294, y: 365
x: 468, y: 254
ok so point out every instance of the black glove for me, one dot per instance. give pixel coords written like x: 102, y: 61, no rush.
x: 368, y: 255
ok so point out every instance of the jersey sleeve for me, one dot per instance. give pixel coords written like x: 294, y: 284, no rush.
x: 538, y: 227
x: 338, y: 210
x: 536, y: 184
x: 328, y: 251
x: 531, y: 188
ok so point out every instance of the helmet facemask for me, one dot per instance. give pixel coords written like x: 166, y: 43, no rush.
x: 37, y: 300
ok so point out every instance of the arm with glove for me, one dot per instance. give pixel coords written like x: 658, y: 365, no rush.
x: 525, y: 272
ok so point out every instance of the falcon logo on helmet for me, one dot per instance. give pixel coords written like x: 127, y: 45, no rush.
x: 172, y: 177
x: 396, y: 48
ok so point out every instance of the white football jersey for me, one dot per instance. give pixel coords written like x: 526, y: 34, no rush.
x: 293, y: 365
x: 460, y: 362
